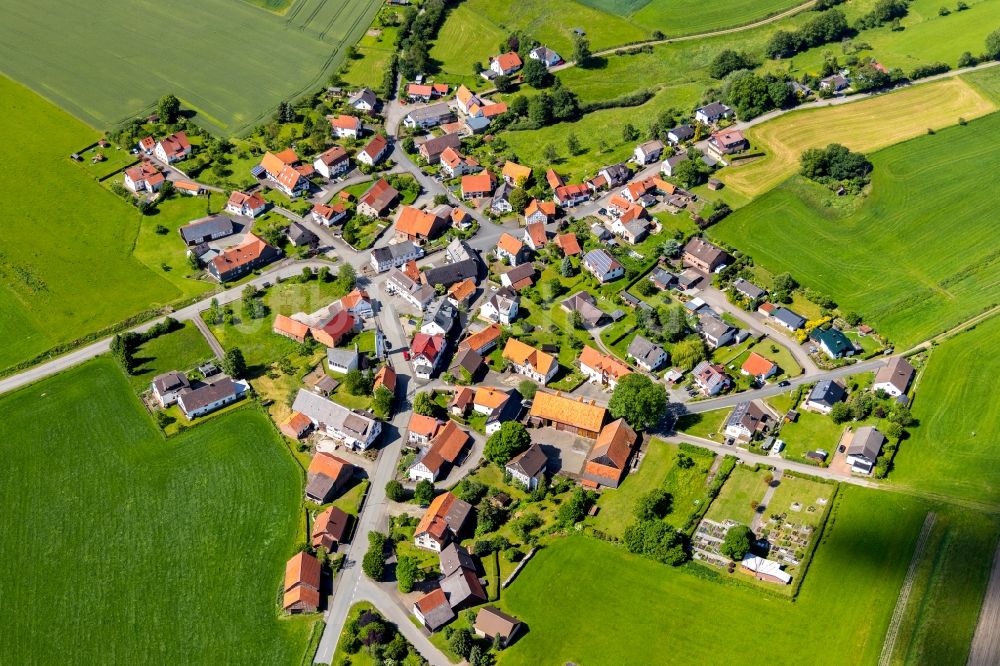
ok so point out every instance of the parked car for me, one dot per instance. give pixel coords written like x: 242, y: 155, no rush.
x: 784, y: 382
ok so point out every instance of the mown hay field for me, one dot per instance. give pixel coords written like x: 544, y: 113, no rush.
x: 865, y: 125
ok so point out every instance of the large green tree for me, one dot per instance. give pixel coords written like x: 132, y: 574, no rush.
x: 507, y: 442
x: 639, y: 400
x: 737, y: 542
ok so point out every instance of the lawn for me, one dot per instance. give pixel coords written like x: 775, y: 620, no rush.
x: 859, y: 126
x: 704, y: 424
x: 809, y: 432
x: 65, y: 271
x: 92, y: 67
x: 741, y: 488
x: 856, y: 573
x: 954, y: 450
x: 658, y: 470
x: 940, y: 276
x: 805, y: 492
x: 171, y: 545
x: 182, y: 349
x: 255, y: 338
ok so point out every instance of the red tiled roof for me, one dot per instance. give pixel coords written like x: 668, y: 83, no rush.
x: 249, y: 250
x: 569, y: 244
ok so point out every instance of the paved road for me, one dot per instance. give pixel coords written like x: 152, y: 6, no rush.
x: 701, y: 406
x: 985, y: 650
x: 213, y: 343
x: 284, y: 269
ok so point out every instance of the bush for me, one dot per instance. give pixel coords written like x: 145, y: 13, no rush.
x: 395, y: 491
x: 373, y: 563
x: 923, y: 71
x: 835, y: 163
x: 406, y: 573
x: 424, y: 492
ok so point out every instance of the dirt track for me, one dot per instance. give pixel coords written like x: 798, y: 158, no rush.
x: 985, y: 650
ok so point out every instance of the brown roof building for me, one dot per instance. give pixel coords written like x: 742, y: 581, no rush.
x: 444, y: 520
x: 327, y: 474
x: 608, y: 460
x: 702, y: 254
x: 330, y: 528
x: 302, y: 580
x: 491, y: 623
x: 295, y: 426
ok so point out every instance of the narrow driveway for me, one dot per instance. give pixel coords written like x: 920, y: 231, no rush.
x: 213, y: 343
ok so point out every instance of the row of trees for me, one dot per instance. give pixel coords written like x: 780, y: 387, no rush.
x: 829, y: 26
x: 124, y: 345
x: 835, y: 164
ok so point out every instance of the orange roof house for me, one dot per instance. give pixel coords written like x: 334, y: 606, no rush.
x: 608, y: 459
x: 236, y: 261
x: 602, y: 368
x: 511, y: 248
x: 348, y: 124
x: 290, y: 328
x: 493, y: 110
x: 583, y: 417
x: 386, y: 377
x: 460, y: 292
x: 758, y: 366
x: 545, y: 211
x: 295, y: 426
x: 484, y: 340
x: 422, y: 428
x: 417, y: 225
x: 443, y: 520
x: 530, y: 361
x: 275, y: 163
x: 535, y: 236
x: 554, y: 179
x: 489, y: 398
x: 477, y: 186
x: 508, y: 62
x: 330, y: 528
x: 514, y: 174
x: 568, y: 244
x: 335, y: 329
x: 302, y: 580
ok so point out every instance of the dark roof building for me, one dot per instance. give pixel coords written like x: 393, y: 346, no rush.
x: 202, y: 231
x: 455, y: 557
x: 790, y: 320
x: 748, y: 289
x: 825, y: 394
x: 449, y: 274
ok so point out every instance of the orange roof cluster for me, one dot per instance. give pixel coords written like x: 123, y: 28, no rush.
x: 275, y: 163
x: 571, y: 411
x: 328, y: 213
x: 290, y: 327
x: 604, y: 363
x: 493, y: 110
x: 490, y: 397
x: 521, y: 354
x: 239, y: 199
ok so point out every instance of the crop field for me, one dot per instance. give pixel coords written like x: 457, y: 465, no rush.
x: 579, y: 583
x: 891, y: 258
x: 121, y: 547
x: 101, y: 66
x: 66, y: 264
x: 859, y: 126
x: 954, y: 448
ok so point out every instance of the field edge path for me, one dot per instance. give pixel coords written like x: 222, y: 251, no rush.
x: 904, y: 593
x: 985, y: 648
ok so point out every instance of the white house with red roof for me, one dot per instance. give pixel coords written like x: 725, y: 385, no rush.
x: 246, y: 205
x: 426, y: 352
x: 375, y: 151
x: 144, y: 178
x: 332, y: 162
x: 173, y: 148
x: 345, y: 127
x: 506, y: 63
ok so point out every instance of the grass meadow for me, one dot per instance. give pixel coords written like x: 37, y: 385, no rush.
x: 66, y: 264
x: 858, y: 125
x: 182, y: 350
x: 121, y: 547
x: 99, y: 63
x: 953, y: 450
x: 892, y: 257
x: 652, y: 610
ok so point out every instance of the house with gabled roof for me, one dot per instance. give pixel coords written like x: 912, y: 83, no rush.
x: 363, y: 100
x: 711, y: 378
x: 584, y: 303
x: 207, y: 229
x: 680, y: 134
x: 418, y: 226
x: 554, y: 179
x: 426, y: 352
x: 235, y: 262
x: 701, y: 254
x: 245, y: 205
x: 712, y: 113
x: 601, y: 369
x: 466, y: 99
x: 445, y: 448
x: 603, y: 266
x: 608, y: 460
x: 143, y: 177
x: 346, y: 127
x: 568, y: 196
x: 495, y: 625
x: 410, y: 290
x: 511, y: 249
x: 723, y: 143
x: 895, y: 377
x: 746, y: 421
x: 569, y: 244
x: 758, y: 367
x: 515, y: 174
x: 326, y: 475
x: 530, y: 362
x: 541, y: 212
x: 303, y: 577
x: 395, y: 255
x: 528, y: 468
x: 483, y: 341
x: 328, y: 215
x: 456, y: 164
x: 378, y: 200
x: 443, y: 521
x: 506, y: 64
x: 169, y: 386
x: 832, y: 342
x: 332, y: 162
x: 787, y: 318
x: 478, y: 186
x: 433, y: 610
x: 864, y: 449
x: 173, y: 148
x: 431, y: 149
x: 374, y: 151
x: 330, y: 529
x: 646, y: 355
x: 648, y: 152
x: 519, y: 277
x: 824, y: 395
x: 501, y: 307
x: 355, y: 429
x: 545, y: 55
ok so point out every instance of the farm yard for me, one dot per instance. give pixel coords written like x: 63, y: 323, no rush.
x: 100, y: 67
x: 953, y: 449
x: 890, y: 259
x: 864, y: 556
x: 71, y: 273
x: 860, y: 125
x: 137, y: 546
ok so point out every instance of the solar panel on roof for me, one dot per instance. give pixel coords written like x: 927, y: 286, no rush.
x: 257, y: 171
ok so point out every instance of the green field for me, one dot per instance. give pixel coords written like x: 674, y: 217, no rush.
x: 66, y: 263
x: 577, y: 584
x: 891, y: 259
x: 954, y: 448
x: 734, y: 501
x: 120, y: 547
x: 182, y: 350
x: 227, y: 60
